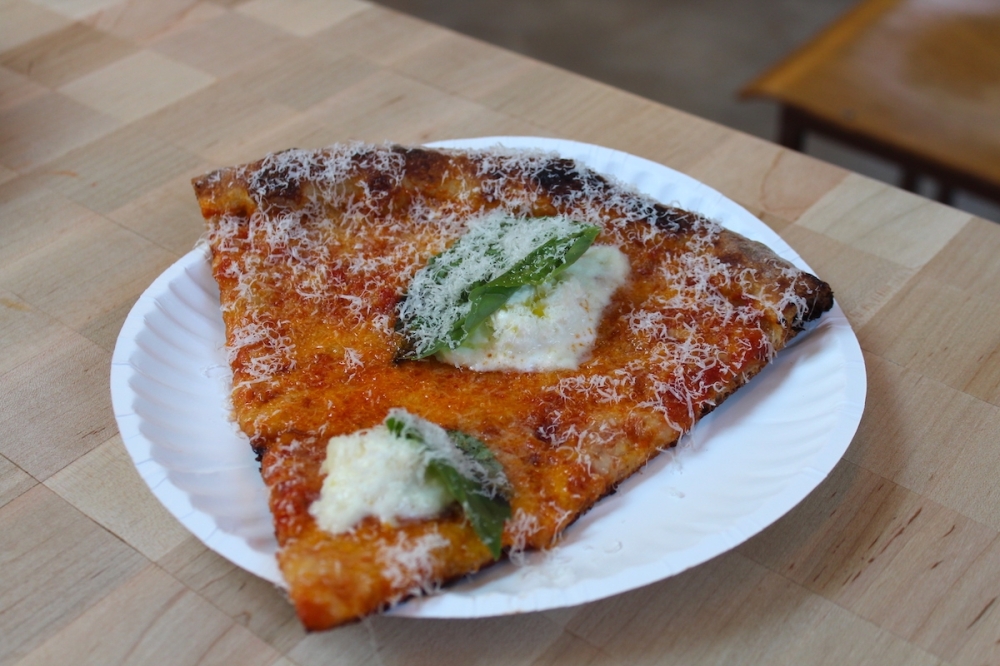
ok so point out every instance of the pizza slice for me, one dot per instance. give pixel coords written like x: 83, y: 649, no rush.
x: 443, y: 355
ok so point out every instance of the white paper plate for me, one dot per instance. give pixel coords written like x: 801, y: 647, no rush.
x: 742, y: 467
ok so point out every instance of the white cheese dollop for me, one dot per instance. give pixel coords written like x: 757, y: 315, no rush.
x: 551, y: 326
x: 374, y: 473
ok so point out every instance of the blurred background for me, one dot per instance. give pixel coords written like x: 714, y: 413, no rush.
x: 691, y: 55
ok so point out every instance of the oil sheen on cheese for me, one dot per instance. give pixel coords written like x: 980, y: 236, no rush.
x: 551, y: 326
x: 374, y: 473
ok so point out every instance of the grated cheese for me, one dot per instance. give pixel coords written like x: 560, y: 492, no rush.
x: 343, y: 234
x: 438, y: 295
x: 353, y: 272
x: 551, y: 326
x: 411, y: 559
x: 375, y: 473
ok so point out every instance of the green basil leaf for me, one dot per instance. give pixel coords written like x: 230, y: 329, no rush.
x: 484, y: 297
x: 486, y: 514
x: 482, y: 498
x: 549, y: 259
x: 476, y: 450
x: 399, y: 429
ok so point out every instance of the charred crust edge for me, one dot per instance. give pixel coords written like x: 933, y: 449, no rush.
x: 561, y: 176
x: 676, y: 220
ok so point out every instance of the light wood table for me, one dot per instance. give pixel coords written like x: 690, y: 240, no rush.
x: 108, y: 108
x: 914, y: 81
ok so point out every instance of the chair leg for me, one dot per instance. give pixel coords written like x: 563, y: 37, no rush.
x: 910, y: 177
x: 792, y: 130
x: 946, y: 194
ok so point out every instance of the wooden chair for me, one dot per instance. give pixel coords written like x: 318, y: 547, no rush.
x: 913, y: 81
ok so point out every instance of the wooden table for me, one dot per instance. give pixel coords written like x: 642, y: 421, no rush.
x: 914, y: 81
x: 108, y: 108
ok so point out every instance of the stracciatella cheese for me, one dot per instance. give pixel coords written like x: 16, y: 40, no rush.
x: 375, y: 473
x: 551, y: 326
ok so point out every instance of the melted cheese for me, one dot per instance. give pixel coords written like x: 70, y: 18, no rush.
x: 314, y: 249
x: 374, y: 473
x: 551, y: 326
x: 438, y: 296
x: 342, y: 265
x: 706, y: 321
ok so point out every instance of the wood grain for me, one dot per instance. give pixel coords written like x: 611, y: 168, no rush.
x: 760, y: 180
x: 146, y: 23
x: 251, y: 601
x: 117, y: 89
x: 153, y: 618
x: 125, y: 508
x: 56, y: 564
x: 25, y: 21
x: 302, y: 18
x: 108, y: 108
x: 45, y: 127
x: 62, y: 56
x: 13, y: 481
x: 69, y: 376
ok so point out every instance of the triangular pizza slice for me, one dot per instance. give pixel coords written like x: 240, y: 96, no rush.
x: 442, y: 355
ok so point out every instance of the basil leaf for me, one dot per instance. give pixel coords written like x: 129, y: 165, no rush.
x: 545, y: 262
x: 399, y: 429
x: 480, y: 496
x: 478, y: 300
x: 486, y: 514
x: 477, y: 451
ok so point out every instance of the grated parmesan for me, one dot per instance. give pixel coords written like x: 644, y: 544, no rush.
x: 438, y: 295
x: 551, y: 326
x: 355, y: 272
x: 339, y: 261
x: 375, y: 473
x: 335, y: 238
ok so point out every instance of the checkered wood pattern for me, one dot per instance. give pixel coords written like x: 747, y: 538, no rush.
x: 109, y: 107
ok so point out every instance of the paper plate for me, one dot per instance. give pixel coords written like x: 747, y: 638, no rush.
x: 742, y: 467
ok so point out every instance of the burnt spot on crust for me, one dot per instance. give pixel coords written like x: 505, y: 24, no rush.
x: 379, y: 185
x: 428, y: 175
x: 421, y: 164
x: 561, y: 177
x: 278, y: 181
x: 272, y: 184
x: 424, y: 169
x: 676, y: 220
x: 259, y: 448
x: 204, y: 184
x: 817, y: 294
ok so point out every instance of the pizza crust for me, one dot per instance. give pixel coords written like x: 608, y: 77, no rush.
x: 313, y: 250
